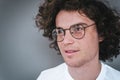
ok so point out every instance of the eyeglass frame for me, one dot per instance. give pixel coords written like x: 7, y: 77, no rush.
x: 83, y: 27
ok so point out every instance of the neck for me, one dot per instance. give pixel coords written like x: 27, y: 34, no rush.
x: 88, y: 71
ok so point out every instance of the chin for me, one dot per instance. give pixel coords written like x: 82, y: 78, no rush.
x: 74, y: 64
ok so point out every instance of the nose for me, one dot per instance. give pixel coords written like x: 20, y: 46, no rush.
x: 68, y: 39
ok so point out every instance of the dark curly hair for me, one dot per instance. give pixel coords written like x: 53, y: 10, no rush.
x: 107, y: 22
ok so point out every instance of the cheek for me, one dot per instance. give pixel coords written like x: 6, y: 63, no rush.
x: 92, y: 37
x: 60, y: 45
x: 92, y: 45
x: 90, y: 42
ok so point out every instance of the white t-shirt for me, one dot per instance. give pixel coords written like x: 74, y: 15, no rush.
x: 61, y: 73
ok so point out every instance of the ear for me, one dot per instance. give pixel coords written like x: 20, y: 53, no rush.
x: 101, y: 39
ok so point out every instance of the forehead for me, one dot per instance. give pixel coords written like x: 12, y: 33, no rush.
x: 68, y: 18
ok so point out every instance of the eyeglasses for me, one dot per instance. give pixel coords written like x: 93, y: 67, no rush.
x: 77, y: 31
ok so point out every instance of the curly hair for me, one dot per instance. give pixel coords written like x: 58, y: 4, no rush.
x: 107, y: 22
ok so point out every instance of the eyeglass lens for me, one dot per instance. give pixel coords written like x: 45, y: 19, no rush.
x: 77, y: 31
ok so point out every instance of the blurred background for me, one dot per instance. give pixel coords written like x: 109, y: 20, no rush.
x: 24, y: 52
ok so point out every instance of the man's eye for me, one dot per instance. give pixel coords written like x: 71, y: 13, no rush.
x: 60, y: 31
x: 77, y: 28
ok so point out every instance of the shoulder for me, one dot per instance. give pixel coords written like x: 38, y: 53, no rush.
x: 53, y: 73
x: 108, y: 73
x: 111, y: 73
x: 56, y: 69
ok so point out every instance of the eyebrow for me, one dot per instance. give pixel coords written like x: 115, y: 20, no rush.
x: 73, y: 24
x: 77, y: 24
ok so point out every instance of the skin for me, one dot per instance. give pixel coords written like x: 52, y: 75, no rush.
x: 81, y: 55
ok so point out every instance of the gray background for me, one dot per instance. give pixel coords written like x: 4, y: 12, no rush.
x: 24, y: 53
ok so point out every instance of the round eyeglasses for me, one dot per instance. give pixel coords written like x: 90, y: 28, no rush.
x: 77, y: 31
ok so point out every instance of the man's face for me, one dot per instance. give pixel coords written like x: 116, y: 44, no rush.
x: 77, y: 52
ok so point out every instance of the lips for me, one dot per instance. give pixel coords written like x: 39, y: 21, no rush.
x: 71, y: 52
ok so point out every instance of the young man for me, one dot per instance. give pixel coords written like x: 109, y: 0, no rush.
x: 85, y: 32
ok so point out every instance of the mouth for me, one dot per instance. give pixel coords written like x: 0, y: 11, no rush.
x: 71, y: 52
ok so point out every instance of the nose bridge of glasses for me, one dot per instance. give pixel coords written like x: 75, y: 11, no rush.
x: 65, y: 31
